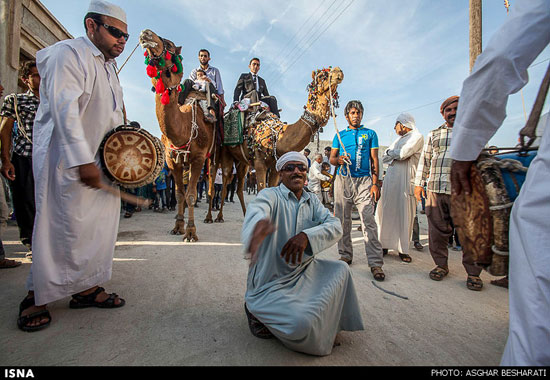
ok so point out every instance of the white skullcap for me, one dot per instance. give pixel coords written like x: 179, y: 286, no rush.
x: 107, y: 9
x: 407, y: 120
x: 288, y: 157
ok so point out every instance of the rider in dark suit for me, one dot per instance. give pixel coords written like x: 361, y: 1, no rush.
x: 251, y: 85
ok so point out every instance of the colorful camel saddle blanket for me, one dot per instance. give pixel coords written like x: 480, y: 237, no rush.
x: 233, y: 125
x: 266, y: 133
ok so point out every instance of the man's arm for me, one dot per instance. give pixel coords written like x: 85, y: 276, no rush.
x: 219, y: 84
x: 413, y: 145
x: 423, y: 169
x: 374, y: 191
x: 8, y: 170
x: 257, y: 224
x: 326, y: 232
x: 499, y: 71
x: 238, y: 89
x: 65, y: 85
x: 316, y: 173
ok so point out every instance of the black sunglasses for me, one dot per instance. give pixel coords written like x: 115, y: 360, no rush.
x: 291, y: 167
x: 115, y: 32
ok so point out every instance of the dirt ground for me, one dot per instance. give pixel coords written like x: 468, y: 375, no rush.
x: 184, y: 306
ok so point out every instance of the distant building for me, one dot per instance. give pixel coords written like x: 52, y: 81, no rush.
x: 26, y: 26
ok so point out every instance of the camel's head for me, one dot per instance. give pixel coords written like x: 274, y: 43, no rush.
x: 164, y: 64
x: 324, y: 86
x: 332, y: 76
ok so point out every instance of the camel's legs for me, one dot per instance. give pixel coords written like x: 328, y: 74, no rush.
x: 226, y: 163
x: 242, y: 169
x: 261, y: 172
x: 177, y: 171
x: 210, y: 193
x: 191, y: 197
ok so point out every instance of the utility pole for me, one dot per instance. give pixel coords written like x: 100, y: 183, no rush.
x: 475, y: 31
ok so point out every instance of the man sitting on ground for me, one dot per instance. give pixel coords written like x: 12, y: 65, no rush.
x: 291, y: 294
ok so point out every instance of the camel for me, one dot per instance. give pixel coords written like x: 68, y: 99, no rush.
x: 187, y: 138
x: 291, y: 137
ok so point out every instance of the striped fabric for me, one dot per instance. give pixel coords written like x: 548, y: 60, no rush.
x: 435, y: 162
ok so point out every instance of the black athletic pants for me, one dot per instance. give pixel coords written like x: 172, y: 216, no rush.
x: 22, y: 192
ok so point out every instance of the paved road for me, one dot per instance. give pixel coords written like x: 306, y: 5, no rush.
x: 184, y: 306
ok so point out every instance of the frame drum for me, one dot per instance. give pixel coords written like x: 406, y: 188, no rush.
x: 131, y: 156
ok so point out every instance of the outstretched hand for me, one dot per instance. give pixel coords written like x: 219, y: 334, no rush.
x: 460, y: 177
x: 263, y: 229
x: 294, y: 249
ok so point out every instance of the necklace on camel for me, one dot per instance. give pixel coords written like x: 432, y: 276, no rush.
x: 155, y: 65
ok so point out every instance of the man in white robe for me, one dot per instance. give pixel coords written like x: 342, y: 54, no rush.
x: 76, y: 223
x: 315, y: 177
x: 397, y: 205
x: 499, y: 71
x: 302, y: 300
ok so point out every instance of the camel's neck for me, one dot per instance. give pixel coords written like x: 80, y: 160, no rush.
x: 298, y: 135
x: 173, y: 123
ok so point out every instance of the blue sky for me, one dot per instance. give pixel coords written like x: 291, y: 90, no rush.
x: 396, y: 55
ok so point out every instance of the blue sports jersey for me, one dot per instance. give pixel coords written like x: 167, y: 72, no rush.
x: 358, y: 144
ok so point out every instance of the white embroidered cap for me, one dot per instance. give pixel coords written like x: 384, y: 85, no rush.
x: 107, y: 9
x: 288, y: 157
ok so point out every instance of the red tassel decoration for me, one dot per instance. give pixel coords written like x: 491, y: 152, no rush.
x: 168, y: 56
x: 159, y: 88
x: 174, y: 69
x: 146, y: 53
x: 151, y: 71
x: 165, y: 98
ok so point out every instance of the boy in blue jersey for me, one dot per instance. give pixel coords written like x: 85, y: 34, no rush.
x: 357, y: 184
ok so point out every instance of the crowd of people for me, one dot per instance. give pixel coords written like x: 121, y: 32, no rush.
x: 50, y: 140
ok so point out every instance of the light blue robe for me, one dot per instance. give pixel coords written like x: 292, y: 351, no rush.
x: 304, y: 306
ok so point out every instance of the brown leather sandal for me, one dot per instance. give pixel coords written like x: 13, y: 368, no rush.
x: 438, y: 273
x: 378, y: 273
x: 474, y: 283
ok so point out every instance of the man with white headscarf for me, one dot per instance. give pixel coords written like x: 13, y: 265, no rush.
x: 291, y: 294
x: 76, y: 224
x: 397, y: 205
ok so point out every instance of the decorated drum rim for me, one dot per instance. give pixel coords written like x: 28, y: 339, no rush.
x: 157, y: 157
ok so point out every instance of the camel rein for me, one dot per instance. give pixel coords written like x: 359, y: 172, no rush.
x: 347, y: 161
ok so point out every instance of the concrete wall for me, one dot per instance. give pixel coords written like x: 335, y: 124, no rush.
x: 26, y: 26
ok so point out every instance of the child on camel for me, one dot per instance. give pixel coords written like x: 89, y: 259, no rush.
x: 204, y: 84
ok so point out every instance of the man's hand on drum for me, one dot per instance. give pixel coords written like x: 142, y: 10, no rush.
x: 90, y: 175
x: 419, y: 193
x: 460, y: 177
